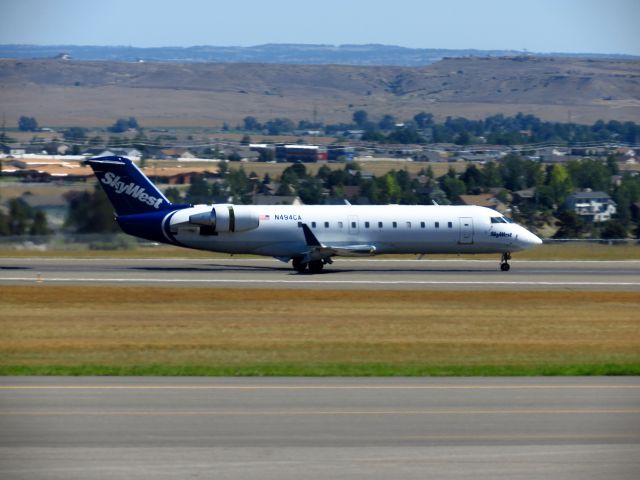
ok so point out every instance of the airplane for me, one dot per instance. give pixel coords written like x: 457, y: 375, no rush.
x: 308, y: 236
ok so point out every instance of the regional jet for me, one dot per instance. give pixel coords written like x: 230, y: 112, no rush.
x: 308, y: 236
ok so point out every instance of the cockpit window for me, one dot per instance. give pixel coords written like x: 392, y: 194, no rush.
x: 508, y: 220
x: 498, y: 220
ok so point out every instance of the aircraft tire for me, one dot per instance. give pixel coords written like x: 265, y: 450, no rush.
x: 298, y: 265
x: 316, y: 266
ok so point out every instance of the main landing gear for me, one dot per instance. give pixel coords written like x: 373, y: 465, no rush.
x: 315, y: 266
x: 504, y: 261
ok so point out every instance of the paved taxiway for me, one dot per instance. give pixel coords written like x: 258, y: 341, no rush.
x: 344, y: 273
x: 280, y: 428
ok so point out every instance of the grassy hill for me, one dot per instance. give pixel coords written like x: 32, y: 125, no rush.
x: 67, y: 93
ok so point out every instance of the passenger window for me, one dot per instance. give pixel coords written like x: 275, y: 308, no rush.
x: 379, y: 224
x: 326, y: 224
x: 450, y: 225
x: 366, y: 224
x: 422, y: 225
x: 437, y: 224
x: 313, y: 224
x: 339, y: 224
x: 353, y: 224
x: 395, y: 224
x: 408, y: 224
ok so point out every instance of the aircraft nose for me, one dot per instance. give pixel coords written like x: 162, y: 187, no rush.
x: 529, y: 239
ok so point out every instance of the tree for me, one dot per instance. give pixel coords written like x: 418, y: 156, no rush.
x: 613, y: 229
x: 405, y: 135
x: 559, y: 184
x: 589, y: 173
x: 173, y: 195
x: 463, y: 138
x: 4, y: 224
x: 310, y: 191
x: 373, y: 136
x: 246, y: 139
x: 251, y: 124
x: 39, y: 226
x: 360, y: 118
x: 123, y: 124
x: 279, y: 126
x: 240, y: 186
x: 90, y: 212
x: 570, y: 223
x: 20, y: 216
x: 473, y: 179
x: 75, y: 134
x: 198, y: 191
x: 423, y: 120
x: 513, y: 172
x: 453, y: 187
x: 388, y: 122
x: 27, y: 124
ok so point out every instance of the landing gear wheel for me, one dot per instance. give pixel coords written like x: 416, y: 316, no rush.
x: 298, y: 265
x: 504, y: 262
x: 316, y: 266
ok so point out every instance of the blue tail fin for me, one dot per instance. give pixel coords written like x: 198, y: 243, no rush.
x: 129, y: 190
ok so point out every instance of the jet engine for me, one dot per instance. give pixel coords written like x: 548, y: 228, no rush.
x: 218, y: 218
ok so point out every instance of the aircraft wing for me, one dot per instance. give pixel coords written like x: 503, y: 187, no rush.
x: 319, y: 251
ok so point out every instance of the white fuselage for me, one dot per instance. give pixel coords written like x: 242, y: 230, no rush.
x: 386, y: 228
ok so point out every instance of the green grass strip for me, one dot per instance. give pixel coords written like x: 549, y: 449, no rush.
x: 331, y: 370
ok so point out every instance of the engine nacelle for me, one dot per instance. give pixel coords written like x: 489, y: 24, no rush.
x: 219, y: 218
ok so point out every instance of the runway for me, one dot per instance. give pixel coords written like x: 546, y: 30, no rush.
x: 281, y: 428
x: 342, y: 274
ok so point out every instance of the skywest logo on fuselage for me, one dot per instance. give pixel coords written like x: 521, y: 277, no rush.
x: 501, y: 234
x: 133, y: 190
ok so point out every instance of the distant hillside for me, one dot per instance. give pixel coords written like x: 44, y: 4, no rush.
x: 272, y: 53
x: 62, y: 92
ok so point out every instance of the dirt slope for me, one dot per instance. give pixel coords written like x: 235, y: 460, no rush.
x: 95, y: 93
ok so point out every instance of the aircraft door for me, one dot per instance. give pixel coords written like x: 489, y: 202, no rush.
x: 466, y: 230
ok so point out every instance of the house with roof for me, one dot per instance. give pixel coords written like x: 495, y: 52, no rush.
x: 488, y: 200
x: 592, y: 206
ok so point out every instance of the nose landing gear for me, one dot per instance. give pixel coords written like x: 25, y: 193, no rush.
x: 504, y: 261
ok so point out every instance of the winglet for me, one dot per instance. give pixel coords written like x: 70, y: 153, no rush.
x: 309, y: 237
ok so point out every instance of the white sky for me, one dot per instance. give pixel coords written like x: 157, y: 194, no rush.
x: 593, y: 26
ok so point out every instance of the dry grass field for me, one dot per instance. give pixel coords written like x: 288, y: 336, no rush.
x: 140, y: 330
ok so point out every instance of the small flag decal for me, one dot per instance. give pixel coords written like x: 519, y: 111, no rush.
x: 265, y: 217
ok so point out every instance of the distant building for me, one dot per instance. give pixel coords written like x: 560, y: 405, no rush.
x: 300, y: 153
x: 131, y: 153
x: 340, y: 152
x: 17, y: 152
x: 592, y: 206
